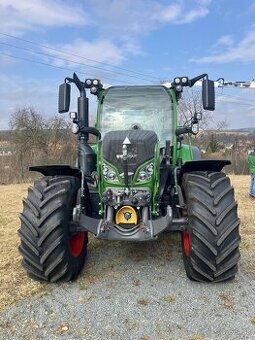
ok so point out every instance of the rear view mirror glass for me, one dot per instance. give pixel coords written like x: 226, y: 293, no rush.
x: 64, y: 97
x: 208, y: 94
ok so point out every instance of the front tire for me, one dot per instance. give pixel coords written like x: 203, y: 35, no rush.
x: 211, y: 241
x: 49, y: 250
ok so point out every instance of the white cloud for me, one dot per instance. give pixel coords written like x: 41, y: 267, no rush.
x: 19, y: 16
x: 85, y: 60
x: 243, y: 51
x: 252, y: 114
x: 194, y: 15
x: 169, y: 13
x: 229, y: 109
x: 6, y: 60
x: 19, y: 92
x: 225, y: 40
x: 119, y: 25
x: 204, y: 2
x: 131, y: 19
x: 178, y: 14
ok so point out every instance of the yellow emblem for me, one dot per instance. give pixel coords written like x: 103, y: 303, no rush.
x: 126, y: 215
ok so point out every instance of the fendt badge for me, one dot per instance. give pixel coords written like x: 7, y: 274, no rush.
x: 127, y: 215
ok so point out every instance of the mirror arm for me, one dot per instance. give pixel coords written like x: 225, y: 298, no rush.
x: 79, y: 84
x: 194, y: 80
x: 69, y: 80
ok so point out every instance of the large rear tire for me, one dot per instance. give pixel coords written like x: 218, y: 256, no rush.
x: 211, y: 242
x: 49, y: 250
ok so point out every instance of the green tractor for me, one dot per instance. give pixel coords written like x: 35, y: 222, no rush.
x: 135, y: 182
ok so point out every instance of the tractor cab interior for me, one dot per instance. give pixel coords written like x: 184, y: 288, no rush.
x: 137, y: 108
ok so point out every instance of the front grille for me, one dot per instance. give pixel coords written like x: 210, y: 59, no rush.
x: 142, y: 147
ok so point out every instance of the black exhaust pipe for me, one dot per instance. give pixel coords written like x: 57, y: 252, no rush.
x: 86, y: 155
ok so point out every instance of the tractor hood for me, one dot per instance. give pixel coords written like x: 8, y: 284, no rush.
x: 139, y: 147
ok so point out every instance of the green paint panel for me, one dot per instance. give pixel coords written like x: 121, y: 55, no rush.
x: 186, y: 153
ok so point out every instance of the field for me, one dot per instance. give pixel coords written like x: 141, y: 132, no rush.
x: 15, y: 285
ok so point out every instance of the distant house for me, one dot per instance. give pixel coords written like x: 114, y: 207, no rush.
x: 252, y: 84
x: 6, y: 150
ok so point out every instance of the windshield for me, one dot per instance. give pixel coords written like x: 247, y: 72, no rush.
x: 141, y: 107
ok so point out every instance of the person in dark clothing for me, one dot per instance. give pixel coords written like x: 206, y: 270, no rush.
x: 251, y: 161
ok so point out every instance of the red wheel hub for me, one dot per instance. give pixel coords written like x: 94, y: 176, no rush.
x: 76, y: 243
x: 186, y: 242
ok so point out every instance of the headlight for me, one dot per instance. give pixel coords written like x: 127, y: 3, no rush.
x: 112, y: 176
x: 145, y: 174
x: 150, y: 168
x: 93, y: 90
x: 105, y: 170
x: 75, y: 128
x: 142, y: 176
x: 109, y: 173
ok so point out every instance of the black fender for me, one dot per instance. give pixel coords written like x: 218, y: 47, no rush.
x: 83, y: 195
x: 204, y: 165
x: 57, y: 170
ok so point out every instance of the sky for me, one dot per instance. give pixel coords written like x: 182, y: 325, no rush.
x: 125, y: 42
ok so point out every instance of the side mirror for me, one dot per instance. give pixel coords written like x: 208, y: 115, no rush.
x: 64, y: 97
x: 208, y: 95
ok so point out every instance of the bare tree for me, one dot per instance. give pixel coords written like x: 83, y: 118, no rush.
x: 37, y: 140
x: 28, y: 138
x: 191, y: 103
x: 28, y: 127
x: 62, y: 142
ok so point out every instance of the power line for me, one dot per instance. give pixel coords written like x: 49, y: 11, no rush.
x: 87, y: 74
x: 76, y: 55
x: 53, y: 66
x: 72, y: 61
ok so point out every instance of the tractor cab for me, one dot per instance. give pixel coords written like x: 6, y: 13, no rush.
x: 136, y: 108
x: 135, y: 122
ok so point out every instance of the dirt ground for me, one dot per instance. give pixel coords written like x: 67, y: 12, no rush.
x: 16, y: 286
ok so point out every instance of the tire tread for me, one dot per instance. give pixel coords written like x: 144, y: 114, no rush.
x: 213, y: 227
x: 44, y: 230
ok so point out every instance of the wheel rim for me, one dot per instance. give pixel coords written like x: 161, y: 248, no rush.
x: 76, y: 243
x: 186, y: 242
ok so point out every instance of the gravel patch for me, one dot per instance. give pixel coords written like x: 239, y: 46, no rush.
x: 136, y: 291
